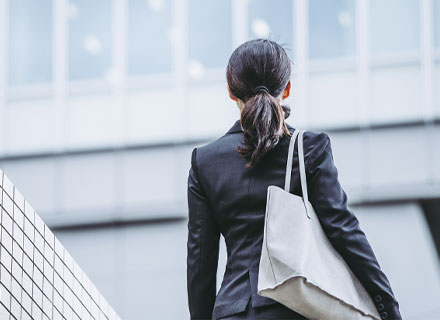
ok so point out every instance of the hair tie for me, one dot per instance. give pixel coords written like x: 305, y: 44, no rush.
x: 261, y: 88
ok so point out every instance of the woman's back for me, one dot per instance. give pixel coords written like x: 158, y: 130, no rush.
x: 232, y: 200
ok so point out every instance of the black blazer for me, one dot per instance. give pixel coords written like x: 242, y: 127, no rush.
x: 225, y: 197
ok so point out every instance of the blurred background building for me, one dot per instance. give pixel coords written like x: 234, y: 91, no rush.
x: 101, y: 103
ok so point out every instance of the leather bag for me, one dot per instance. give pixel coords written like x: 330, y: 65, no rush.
x: 299, y: 267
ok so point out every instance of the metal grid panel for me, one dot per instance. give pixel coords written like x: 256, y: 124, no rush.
x: 38, y: 277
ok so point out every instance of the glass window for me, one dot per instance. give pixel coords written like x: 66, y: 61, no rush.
x: 30, y: 41
x: 394, y: 26
x: 332, y: 28
x: 90, y: 33
x: 437, y: 23
x: 149, y: 36
x: 272, y: 22
x: 209, y: 34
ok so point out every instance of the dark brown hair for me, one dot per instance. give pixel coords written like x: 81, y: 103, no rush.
x: 255, y: 63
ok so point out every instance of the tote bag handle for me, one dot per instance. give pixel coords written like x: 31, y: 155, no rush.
x: 302, y: 170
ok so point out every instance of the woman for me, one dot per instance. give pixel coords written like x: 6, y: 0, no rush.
x: 227, y: 187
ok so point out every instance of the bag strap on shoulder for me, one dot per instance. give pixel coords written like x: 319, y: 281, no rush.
x: 290, y: 160
x: 302, y: 170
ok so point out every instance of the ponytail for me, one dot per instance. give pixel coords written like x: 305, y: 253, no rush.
x: 263, y: 125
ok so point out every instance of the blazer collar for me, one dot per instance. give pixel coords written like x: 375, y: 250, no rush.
x: 236, y: 127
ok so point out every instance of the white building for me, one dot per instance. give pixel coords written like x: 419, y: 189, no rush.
x: 101, y: 103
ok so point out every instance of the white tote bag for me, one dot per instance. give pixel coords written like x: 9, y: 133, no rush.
x: 299, y: 267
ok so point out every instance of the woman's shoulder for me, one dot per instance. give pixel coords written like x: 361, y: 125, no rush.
x: 315, y: 144
x: 315, y: 140
x: 312, y: 138
x: 216, y: 149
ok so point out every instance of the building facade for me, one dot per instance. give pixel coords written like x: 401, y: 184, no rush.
x: 102, y: 102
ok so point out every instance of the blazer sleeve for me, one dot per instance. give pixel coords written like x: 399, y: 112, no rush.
x: 202, y: 248
x: 342, y: 228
